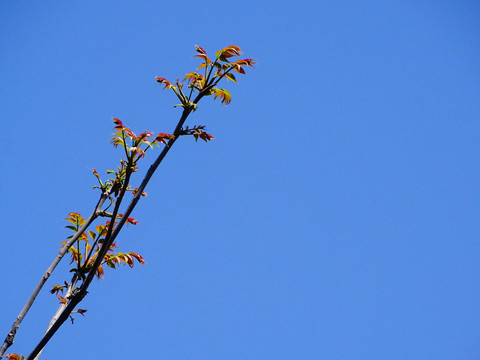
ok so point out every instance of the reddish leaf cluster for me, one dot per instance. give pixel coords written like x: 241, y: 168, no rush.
x: 112, y: 260
x: 85, y: 257
x: 165, y: 82
x: 228, y: 52
x: 135, y: 145
x: 195, y: 79
x: 215, y: 71
x: 14, y: 356
x: 202, y: 135
x: 237, y: 65
x: 162, y: 137
x: 197, y: 132
x: 129, y: 220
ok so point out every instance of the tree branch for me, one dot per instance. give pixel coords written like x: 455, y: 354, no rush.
x: 77, y: 298
x: 11, y: 335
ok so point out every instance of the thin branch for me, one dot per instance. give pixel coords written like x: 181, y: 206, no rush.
x: 11, y: 335
x: 68, y: 293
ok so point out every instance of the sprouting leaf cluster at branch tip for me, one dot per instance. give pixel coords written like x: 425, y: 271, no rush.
x: 134, y: 145
x: 205, y: 84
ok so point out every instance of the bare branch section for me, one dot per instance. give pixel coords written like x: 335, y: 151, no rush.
x: 91, y: 249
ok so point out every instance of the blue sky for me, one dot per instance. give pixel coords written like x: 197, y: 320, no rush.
x: 335, y: 215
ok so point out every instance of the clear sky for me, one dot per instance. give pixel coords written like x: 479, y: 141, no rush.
x: 335, y: 215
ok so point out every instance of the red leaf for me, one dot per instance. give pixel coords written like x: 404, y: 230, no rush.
x: 139, y: 258
x: 248, y: 62
x: 200, y: 50
x: 146, y: 134
x: 128, y: 259
x: 239, y: 69
x: 204, y: 136
x: 164, y: 82
x: 132, y: 221
x: 99, y: 272
x: 229, y: 51
x: 203, y: 54
x: 117, y: 122
x: 13, y: 356
x: 162, y: 136
x: 81, y: 311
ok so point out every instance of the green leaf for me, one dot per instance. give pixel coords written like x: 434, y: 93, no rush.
x: 230, y: 76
